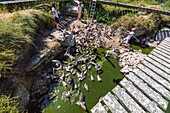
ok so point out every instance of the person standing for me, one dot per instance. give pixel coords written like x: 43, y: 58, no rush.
x: 79, y: 11
x: 55, y: 14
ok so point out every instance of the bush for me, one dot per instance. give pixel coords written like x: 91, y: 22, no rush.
x: 8, y: 105
x: 102, y: 14
x: 167, y: 5
x: 128, y: 21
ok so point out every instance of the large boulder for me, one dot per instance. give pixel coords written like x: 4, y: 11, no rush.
x: 14, y: 86
x: 129, y: 60
x: 23, y: 96
x: 140, y: 32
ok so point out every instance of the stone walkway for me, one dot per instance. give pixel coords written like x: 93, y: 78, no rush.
x: 145, y: 89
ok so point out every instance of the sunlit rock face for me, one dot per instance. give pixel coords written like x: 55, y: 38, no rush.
x: 129, y: 60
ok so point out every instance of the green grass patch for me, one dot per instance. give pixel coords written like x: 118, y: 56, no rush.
x: 146, y: 50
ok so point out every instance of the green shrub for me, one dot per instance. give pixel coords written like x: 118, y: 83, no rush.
x: 102, y: 14
x: 166, y: 5
x: 8, y: 105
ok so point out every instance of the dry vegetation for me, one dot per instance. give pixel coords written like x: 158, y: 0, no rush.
x: 151, y: 22
x: 147, y: 3
x: 17, y: 35
x: 8, y: 105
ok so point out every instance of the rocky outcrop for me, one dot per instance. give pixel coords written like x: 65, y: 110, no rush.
x: 23, y: 95
x: 15, y: 87
x: 42, y: 86
x: 129, y: 60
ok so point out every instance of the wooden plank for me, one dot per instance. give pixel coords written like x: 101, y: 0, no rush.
x: 113, y: 104
x: 127, y: 100
x: 148, y: 91
x: 140, y: 97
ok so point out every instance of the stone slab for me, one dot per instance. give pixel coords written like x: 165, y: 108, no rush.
x: 113, y: 104
x: 160, y: 56
x: 132, y: 106
x: 156, y: 76
x: 161, y: 66
x: 161, y: 53
x: 98, y: 108
x: 152, y: 83
x: 159, y: 60
x: 148, y: 91
x: 140, y: 97
x: 165, y: 42
x: 164, y: 47
x: 165, y: 50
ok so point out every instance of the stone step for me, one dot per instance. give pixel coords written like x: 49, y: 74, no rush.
x: 164, y: 50
x: 167, y: 39
x: 156, y: 76
x: 140, y: 97
x: 152, y: 83
x: 164, y: 45
x: 161, y: 53
x: 160, y: 56
x: 132, y: 106
x: 113, y: 104
x: 161, y: 61
x: 161, y: 66
x: 147, y: 90
x: 98, y: 108
x: 162, y: 34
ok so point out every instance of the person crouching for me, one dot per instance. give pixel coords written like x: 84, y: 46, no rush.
x: 130, y: 35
